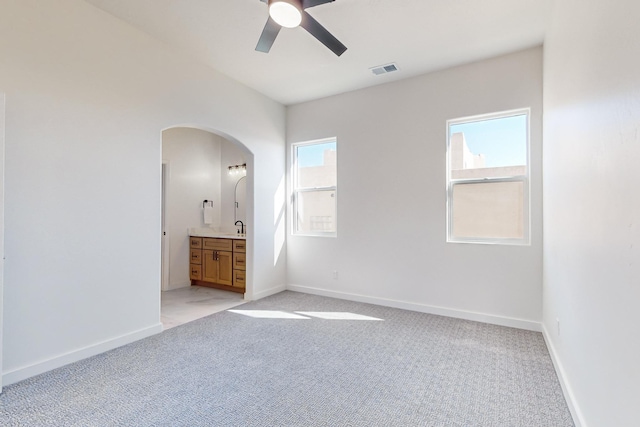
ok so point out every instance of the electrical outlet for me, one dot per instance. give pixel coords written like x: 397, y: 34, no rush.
x: 558, y: 325
x: 335, y: 274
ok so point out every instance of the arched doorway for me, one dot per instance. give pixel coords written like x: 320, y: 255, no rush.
x: 199, y: 199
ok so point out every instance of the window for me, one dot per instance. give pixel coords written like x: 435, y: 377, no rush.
x: 315, y: 187
x: 488, y: 178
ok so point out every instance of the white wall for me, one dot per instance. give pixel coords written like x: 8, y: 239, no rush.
x: 193, y: 157
x: 592, y: 206
x: 391, y: 246
x: 86, y: 99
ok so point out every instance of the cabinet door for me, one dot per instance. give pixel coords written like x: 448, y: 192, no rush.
x: 225, y: 268
x: 217, y: 267
x: 209, y: 266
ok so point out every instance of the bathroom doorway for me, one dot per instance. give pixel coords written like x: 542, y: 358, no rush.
x: 196, y: 172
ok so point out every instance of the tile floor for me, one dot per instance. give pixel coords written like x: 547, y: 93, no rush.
x: 187, y: 304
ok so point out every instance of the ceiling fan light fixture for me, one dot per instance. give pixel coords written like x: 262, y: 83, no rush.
x: 287, y: 13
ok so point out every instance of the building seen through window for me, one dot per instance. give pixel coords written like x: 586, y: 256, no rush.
x: 487, y: 191
x: 315, y: 188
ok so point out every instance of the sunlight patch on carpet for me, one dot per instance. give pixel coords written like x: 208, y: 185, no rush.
x: 268, y: 314
x: 337, y: 315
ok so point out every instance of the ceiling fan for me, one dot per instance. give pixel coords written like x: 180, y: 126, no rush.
x: 290, y: 14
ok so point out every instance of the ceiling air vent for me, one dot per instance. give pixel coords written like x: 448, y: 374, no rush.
x: 384, y: 69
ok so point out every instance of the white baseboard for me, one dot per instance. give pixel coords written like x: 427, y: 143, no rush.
x: 25, y: 372
x: 567, y: 390
x: 423, y: 308
x: 179, y: 285
x: 266, y: 293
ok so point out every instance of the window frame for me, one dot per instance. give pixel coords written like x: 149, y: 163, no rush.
x: 525, y: 179
x: 296, y: 190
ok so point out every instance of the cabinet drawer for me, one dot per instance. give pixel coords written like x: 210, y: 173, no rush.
x: 217, y: 244
x: 195, y: 272
x: 195, y: 256
x: 195, y: 242
x: 239, y: 278
x: 239, y: 261
x: 239, y: 246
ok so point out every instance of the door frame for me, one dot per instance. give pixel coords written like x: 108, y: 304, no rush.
x: 2, y: 126
x: 164, y: 236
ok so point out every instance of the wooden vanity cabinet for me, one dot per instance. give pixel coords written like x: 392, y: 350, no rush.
x: 239, y: 263
x: 216, y: 263
x: 195, y: 258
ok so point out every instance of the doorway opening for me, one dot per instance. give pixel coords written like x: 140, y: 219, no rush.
x: 206, y: 224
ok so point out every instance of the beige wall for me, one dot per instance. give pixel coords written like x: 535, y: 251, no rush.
x: 485, y: 210
x: 460, y: 155
x: 316, y: 210
x: 488, y: 210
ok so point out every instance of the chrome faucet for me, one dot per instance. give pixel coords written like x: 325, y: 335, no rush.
x: 241, y: 226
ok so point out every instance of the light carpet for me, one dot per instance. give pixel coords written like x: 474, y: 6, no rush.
x: 230, y: 369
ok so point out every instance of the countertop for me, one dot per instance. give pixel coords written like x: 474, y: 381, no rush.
x: 208, y: 232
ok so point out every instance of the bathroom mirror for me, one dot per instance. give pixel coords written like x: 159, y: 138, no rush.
x: 241, y: 200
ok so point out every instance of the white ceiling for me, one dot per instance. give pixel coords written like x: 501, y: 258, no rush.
x: 419, y: 35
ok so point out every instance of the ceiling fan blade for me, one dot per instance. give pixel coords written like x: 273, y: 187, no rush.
x: 268, y: 36
x: 321, y: 33
x: 311, y: 3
